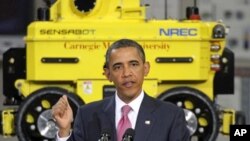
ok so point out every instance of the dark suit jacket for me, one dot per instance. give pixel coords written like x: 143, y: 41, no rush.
x: 167, y: 122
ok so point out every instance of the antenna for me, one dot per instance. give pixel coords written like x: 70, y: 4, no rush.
x: 192, y: 13
x: 195, y: 3
x: 166, y: 9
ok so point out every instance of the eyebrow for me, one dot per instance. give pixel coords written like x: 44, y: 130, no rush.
x: 116, y: 64
x: 119, y: 63
x: 134, y: 61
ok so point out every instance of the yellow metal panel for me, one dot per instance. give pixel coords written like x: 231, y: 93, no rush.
x: 92, y: 90
x: 81, y: 41
x: 26, y: 87
x: 8, y: 122
x: 228, y: 118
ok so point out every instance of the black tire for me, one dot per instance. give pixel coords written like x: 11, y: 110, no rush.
x: 31, y: 110
x: 200, y: 102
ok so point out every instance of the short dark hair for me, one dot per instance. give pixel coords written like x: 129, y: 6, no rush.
x: 122, y: 43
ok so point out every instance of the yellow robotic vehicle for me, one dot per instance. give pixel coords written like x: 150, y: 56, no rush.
x: 64, y: 55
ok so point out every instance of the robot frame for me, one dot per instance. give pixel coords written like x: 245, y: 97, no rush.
x: 64, y: 55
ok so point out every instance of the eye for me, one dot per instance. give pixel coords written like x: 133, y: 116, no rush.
x: 134, y: 64
x: 117, y: 67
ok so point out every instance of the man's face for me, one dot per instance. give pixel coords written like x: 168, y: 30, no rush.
x: 127, y: 70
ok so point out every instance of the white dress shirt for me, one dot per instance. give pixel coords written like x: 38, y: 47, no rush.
x: 132, y: 115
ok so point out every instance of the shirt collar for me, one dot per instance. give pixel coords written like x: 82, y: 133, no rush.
x: 135, y: 104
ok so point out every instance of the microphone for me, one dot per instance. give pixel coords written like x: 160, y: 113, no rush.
x: 105, y: 135
x: 129, y: 135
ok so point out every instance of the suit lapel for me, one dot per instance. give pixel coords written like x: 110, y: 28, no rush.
x: 144, y: 123
x: 109, y: 114
x: 145, y: 120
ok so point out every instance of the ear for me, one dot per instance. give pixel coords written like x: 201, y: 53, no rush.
x: 146, y: 68
x: 107, y: 74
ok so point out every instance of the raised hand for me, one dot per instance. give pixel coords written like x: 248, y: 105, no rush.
x: 63, y: 115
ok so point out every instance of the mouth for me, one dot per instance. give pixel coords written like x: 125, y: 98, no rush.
x: 128, y: 84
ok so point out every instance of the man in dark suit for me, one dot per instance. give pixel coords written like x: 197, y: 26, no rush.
x: 151, y: 119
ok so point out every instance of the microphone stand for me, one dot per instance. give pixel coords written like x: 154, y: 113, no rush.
x: 104, y: 137
x: 127, y: 138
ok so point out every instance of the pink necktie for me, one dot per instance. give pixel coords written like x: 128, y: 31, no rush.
x: 124, y: 122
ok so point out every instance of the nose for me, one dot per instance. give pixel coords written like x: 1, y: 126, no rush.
x: 126, y: 71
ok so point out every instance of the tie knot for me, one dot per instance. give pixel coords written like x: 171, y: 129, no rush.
x: 126, y: 109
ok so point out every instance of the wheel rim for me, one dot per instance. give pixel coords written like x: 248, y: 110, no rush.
x: 34, y: 120
x: 192, y: 122
x: 46, y: 125
x: 205, y: 125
